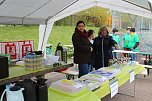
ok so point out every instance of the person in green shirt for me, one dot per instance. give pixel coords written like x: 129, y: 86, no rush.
x: 116, y: 38
x: 133, y: 42
x: 126, y: 40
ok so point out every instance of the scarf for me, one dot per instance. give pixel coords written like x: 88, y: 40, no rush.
x: 83, y: 34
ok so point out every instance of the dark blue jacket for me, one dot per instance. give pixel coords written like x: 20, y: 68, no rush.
x: 102, y: 51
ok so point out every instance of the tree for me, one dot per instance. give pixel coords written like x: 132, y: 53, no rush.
x: 95, y: 16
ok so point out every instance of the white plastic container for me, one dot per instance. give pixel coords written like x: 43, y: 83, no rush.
x: 68, y: 86
x: 95, y: 77
x: 50, y: 60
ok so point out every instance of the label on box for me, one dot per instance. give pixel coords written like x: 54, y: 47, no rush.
x: 25, y: 46
x: 12, y: 49
x: 132, y: 76
x: 114, y: 87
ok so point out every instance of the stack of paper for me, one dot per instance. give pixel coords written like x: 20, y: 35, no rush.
x: 104, y: 73
x: 95, y: 77
x: 90, y: 84
x: 110, y: 69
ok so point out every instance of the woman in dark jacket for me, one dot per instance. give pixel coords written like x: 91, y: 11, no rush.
x: 82, y: 49
x: 102, y: 48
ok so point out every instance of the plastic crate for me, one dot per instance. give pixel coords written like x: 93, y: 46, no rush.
x: 34, y: 63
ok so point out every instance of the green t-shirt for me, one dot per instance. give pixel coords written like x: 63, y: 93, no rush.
x: 133, y: 39
x: 126, y: 39
x: 116, y: 38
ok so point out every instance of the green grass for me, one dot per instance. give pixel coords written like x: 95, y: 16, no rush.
x: 61, y: 34
x: 17, y: 33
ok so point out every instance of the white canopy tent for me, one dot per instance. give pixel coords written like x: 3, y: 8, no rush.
x: 46, y: 12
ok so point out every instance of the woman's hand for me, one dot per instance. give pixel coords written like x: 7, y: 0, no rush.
x: 116, y: 46
x: 91, y: 49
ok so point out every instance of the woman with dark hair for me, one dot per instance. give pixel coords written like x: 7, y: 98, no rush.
x: 90, y: 36
x: 82, y: 49
x: 90, y: 33
x: 116, y: 36
x: 102, y: 48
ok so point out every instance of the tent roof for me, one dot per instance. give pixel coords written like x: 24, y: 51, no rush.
x: 43, y: 11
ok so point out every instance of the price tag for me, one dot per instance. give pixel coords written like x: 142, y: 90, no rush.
x: 114, y: 87
x: 132, y: 76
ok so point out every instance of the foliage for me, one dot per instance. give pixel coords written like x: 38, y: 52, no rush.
x: 19, y: 32
x: 95, y: 16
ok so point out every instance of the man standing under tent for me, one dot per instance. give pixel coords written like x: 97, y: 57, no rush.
x: 133, y: 43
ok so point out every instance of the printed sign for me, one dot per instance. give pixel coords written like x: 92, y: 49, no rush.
x: 114, y: 87
x: 132, y: 76
x: 24, y: 47
x: 10, y: 48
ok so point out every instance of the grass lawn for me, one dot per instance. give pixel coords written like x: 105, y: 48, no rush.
x: 61, y: 34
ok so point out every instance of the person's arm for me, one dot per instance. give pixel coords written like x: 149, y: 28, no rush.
x: 116, y: 46
x: 77, y: 43
x: 137, y: 42
x: 119, y: 41
x: 136, y: 45
x: 94, y: 45
x: 124, y: 41
x: 114, y: 43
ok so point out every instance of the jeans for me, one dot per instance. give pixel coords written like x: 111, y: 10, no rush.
x: 84, y: 69
x: 133, y: 57
x: 114, y: 54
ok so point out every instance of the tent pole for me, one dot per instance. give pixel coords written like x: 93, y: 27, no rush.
x: 43, y: 37
x: 44, y: 32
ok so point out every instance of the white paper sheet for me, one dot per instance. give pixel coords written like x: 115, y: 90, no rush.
x: 114, y: 87
x: 132, y: 76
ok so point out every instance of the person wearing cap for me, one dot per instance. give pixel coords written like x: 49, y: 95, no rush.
x: 133, y: 43
x: 126, y: 40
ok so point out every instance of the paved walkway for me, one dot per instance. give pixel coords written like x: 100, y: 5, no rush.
x: 143, y: 90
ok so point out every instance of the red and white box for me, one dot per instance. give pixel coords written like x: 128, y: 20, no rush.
x: 24, y: 47
x: 11, y: 48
